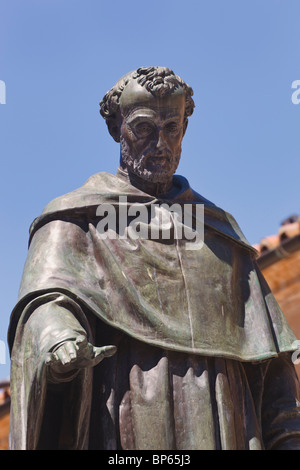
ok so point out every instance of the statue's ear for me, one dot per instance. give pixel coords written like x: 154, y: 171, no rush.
x: 114, y: 129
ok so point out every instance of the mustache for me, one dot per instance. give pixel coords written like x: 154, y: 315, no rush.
x: 165, y: 153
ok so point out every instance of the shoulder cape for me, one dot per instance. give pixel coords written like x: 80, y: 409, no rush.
x: 210, y: 301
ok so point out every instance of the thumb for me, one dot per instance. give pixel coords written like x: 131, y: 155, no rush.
x: 105, y: 351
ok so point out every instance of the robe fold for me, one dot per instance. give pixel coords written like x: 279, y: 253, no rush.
x: 196, y: 326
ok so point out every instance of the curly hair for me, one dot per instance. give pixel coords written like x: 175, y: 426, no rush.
x: 160, y: 81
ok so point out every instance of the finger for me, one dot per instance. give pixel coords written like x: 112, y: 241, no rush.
x: 62, y: 355
x: 109, y: 351
x: 65, y: 354
x: 70, y: 349
x: 50, y: 359
x: 105, y: 351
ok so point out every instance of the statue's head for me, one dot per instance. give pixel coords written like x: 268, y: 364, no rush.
x: 147, y: 112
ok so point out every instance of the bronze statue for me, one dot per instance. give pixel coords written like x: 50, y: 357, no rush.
x: 123, y: 342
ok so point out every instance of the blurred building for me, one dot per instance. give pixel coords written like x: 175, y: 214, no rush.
x: 4, y: 413
x: 279, y: 261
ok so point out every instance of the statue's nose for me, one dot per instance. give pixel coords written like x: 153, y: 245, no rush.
x: 161, y: 141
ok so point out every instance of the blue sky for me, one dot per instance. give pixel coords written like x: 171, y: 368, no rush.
x: 59, y: 57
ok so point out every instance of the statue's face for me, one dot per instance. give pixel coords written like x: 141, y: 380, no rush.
x: 151, y: 132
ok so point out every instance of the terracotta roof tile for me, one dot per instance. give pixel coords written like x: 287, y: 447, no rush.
x: 289, y: 228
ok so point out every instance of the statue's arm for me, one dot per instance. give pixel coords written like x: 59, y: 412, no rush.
x: 49, y: 327
x: 57, y: 334
x: 281, y: 405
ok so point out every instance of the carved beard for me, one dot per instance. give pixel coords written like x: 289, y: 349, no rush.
x: 153, y: 173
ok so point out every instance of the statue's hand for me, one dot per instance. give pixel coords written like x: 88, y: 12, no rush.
x: 74, y: 355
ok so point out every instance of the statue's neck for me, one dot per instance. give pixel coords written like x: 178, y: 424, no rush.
x: 155, y: 189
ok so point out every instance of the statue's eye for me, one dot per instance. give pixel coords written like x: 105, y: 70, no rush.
x: 143, y: 129
x: 172, y: 128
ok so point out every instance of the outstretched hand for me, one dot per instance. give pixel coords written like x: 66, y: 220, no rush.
x: 77, y: 354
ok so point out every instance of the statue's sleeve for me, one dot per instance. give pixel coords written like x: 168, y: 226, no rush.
x: 281, y: 405
x: 36, y: 420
